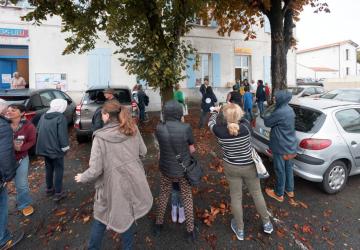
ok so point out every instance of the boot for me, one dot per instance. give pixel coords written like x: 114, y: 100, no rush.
x: 181, y: 215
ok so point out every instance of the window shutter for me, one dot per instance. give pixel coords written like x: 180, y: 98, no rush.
x: 267, y: 27
x: 190, y: 73
x: 267, y: 69
x: 99, y: 67
x: 213, y: 24
x: 216, y: 68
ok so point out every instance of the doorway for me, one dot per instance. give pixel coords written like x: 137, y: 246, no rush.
x: 13, y: 58
x: 242, y: 68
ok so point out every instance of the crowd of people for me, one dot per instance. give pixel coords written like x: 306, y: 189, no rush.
x: 122, y: 193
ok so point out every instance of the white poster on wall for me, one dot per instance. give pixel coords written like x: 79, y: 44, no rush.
x: 6, y: 78
x: 51, y: 80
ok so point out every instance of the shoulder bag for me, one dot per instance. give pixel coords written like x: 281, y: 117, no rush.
x: 262, y: 173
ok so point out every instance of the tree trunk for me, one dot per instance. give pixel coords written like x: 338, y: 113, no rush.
x: 166, y: 93
x: 278, y: 50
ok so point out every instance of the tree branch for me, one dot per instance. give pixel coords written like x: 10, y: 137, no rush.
x: 286, y: 6
x: 262, y: 8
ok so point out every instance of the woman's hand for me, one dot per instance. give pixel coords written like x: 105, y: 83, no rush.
x: 217, y: 109
x: 78, y: 178
x: 192, y: 149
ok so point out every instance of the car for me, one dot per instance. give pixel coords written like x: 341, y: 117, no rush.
x: 349, y: 95
x: 306, y: 90
x: 328, y: 134
x: 37, y: 102
x: 94, y: 98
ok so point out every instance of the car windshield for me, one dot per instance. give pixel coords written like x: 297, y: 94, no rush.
x: 295, y: 90
x: 306, y: 120
x: 97, y: 96
x: 350, y: 95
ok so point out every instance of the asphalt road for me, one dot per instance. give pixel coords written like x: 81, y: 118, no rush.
x: 314, y: 220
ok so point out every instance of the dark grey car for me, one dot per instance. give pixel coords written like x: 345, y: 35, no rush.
x: 94, y: 98
x: 37, y: 102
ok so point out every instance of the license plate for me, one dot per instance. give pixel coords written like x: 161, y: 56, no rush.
x: 265, y: 133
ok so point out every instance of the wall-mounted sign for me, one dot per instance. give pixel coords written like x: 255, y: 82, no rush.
x: 51, y: 80
x: 6, y: 78
x: 243, y: 51
x: 14, y: 32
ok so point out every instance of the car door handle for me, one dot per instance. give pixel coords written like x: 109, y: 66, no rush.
x: 353, y: 143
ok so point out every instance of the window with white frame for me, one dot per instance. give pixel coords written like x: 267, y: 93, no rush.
x: 347, y: 54
x: 204, y: 69
x: 242, y: 67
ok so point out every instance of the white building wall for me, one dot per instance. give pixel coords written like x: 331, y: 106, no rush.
x: 350, y: 63
x: 328, y: 57
x: 46, y: 44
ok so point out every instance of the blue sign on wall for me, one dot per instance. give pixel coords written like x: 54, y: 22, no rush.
x: 14, y: 32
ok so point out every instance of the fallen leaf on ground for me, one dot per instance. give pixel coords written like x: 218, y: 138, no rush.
x: 61, y: 212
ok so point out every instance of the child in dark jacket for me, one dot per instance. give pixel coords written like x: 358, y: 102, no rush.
x: 53, y: 142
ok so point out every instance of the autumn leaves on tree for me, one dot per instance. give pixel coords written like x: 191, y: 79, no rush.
x: 148, y: 32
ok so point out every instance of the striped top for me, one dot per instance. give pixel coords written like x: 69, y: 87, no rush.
x: 236, y: 149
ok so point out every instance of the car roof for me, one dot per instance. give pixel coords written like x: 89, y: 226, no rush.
x: 308, y: 86
x: 108, y: 87
x: 321, y: 104
x: 346, y: 89
x: 22, y: 92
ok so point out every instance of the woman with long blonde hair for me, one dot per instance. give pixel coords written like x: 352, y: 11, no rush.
x: 234, y: 137
x: 122, y: 191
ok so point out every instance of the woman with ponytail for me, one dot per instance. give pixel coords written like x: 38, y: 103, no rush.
x: 234, y: 137
x: 122, y: 191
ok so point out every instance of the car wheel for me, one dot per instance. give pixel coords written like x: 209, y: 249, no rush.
x: 335, y: 177
x: 82, y: 138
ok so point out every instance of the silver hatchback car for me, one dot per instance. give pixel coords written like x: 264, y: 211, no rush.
x: 328, y: 133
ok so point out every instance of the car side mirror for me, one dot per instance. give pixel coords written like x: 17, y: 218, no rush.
x: 69, y: 101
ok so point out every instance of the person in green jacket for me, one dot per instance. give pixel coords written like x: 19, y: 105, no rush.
x: 179, y: 95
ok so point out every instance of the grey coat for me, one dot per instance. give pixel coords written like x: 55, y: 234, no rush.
x: 122, y: 191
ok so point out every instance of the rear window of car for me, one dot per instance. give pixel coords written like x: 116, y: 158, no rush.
x: 343, y: 95
x: 306, y: 120
x: 97, y: 96
x: 295, y: 91
x: 15, y: 99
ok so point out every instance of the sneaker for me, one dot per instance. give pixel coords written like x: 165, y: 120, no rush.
x: 174, y: 213
x: 157, y: 229
x: 290, y: 194
x: 270, y: 192
x: 181, y: 215
x: 15, y: 238
x: 191, y: 237
x: 29, y: 210
x: 50, y: 192
x: 238, y: 232
x: 268, y: 228
x: 59, y: 196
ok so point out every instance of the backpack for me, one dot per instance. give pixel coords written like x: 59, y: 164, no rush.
x: 146, y: 100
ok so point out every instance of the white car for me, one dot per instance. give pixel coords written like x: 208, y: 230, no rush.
x: 306, y: 90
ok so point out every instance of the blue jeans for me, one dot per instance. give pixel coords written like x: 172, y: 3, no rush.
x: 176, y: 196
x: 261, y: 107
x: 284, y: 175
x: 4, y: 233
x: 248, y: 114
x: 97, y: 234
x: 142, y: 113
x: 57, y: 166
x: 23, y: 198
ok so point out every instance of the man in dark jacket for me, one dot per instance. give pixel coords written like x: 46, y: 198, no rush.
x: 283, y: 145
x: 260, y: 96
x: 52, y: 143
x: 97, y: 122
x: 142, y: 102
x: 7, y: 173
x: 208, y: 100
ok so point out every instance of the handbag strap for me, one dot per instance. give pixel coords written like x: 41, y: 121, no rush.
x: 177, y: 154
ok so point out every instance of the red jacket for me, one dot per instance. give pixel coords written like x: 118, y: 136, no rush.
x: 28, y: 130
x: 267, y: 91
